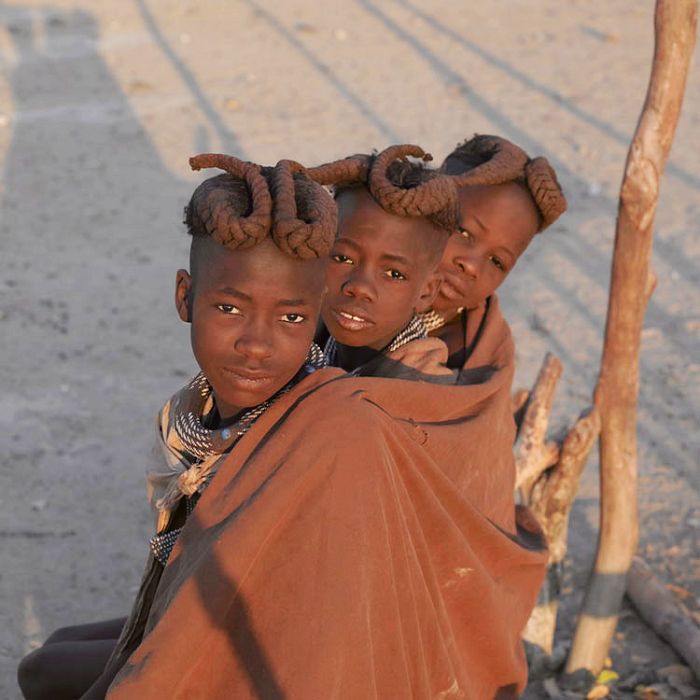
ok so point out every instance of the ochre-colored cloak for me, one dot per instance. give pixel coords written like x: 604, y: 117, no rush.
x: 358, y: 542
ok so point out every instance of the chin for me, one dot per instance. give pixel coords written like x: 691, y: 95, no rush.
x: 352, y: 340
x: 244, y: 398
x: 441, y: 304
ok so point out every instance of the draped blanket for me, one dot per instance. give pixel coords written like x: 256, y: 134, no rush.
x: 346, y: 548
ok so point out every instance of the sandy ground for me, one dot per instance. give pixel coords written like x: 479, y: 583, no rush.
x: 101, y: 103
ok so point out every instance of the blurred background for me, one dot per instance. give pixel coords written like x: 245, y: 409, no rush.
x: 102, y: 103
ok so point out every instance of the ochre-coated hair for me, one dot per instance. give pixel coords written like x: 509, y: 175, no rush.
x: 250, y: 203
x: 405, y: 188
x: 535, y: 174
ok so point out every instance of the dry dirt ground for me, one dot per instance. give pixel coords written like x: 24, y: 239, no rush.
x: 101, y: 103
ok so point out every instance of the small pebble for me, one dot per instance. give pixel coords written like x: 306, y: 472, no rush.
x: 231, y: 105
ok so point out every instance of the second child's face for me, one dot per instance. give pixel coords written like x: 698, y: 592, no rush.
x: 497, y: 224
x: 380, y: 272
x: 253, y: 316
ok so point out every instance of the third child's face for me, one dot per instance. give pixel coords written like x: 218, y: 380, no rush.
x: 497, y: 224
x: 379, y: 274
x: 253, y: 316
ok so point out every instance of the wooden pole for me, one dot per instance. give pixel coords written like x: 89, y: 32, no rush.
x: 618, y: 382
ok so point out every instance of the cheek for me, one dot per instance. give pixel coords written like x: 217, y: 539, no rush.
x: 456, y: 245
x: 335, y: 274
x: 491, y: 281
x: 292, y: 345
x: 209, y: 340
x: 400, y: 298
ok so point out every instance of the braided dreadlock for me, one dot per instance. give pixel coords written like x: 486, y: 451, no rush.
x: 410, y: 189
x: 249, y: 203
x: 473, y: 158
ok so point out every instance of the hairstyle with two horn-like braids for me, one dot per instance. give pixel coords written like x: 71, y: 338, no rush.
x: 407, y: 188
x: 536, y: 175
x: 249, y: 203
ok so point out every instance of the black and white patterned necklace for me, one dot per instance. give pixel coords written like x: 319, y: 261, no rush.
x: 202, y: 442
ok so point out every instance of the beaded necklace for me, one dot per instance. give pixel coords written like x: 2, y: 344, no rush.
x: 204, y: 444
x: 434, y: 320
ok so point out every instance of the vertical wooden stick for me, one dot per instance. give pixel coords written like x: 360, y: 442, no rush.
x: 618, y: 383
x: 532, y: 453
x: 551, y: 500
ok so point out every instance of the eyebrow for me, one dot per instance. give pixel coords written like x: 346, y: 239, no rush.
x: 291, y: 302
x: 389, y: 257
x: 480, y: 222
x: 348, y: 241
x: 395, y: 258
x: 231, y: 291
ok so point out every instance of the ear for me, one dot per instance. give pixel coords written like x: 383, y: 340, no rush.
x: 431, y: 287
x: 183, y: 295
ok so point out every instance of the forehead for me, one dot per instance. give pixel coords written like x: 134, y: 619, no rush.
x: 505, y: 210
x: 261, y: 270
x: 376, y: 231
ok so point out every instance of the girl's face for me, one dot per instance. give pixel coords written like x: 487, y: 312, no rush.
x: 497, y: 224
x: 253, y: 314
x: 382, y: 270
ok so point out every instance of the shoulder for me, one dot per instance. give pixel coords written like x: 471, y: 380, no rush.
x: 494, y: 344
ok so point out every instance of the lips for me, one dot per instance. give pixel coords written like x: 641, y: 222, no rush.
x: 247, y: 378
x: 452, y: 289
x: 352, y: 319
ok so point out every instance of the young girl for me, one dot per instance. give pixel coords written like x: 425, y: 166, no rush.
x: 496, y: 224
x: 252, y: 298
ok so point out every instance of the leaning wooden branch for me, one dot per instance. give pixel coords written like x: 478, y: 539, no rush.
x: 551, y: 500
x: 618, y: 383
x: 532, y: 453
x: 663, y: 613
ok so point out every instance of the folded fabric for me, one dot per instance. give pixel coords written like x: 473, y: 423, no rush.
x: 338, y: 552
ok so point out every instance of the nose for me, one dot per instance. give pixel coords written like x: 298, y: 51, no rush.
x: 467, y: 264
x: 359, y: 286
x: 254, y: 343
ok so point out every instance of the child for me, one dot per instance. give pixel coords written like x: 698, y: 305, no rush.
x: 260, y: 239
x: 497, y: 223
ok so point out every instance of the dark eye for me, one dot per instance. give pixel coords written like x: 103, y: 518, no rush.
x: 293, y: 318
x: 340, y: 258
x: 229, y: 309
x: 465, y: 234
x: 395, y: 275
x: 498, y: 263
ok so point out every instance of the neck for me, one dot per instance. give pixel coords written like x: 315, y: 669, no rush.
x: 350, y: 358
